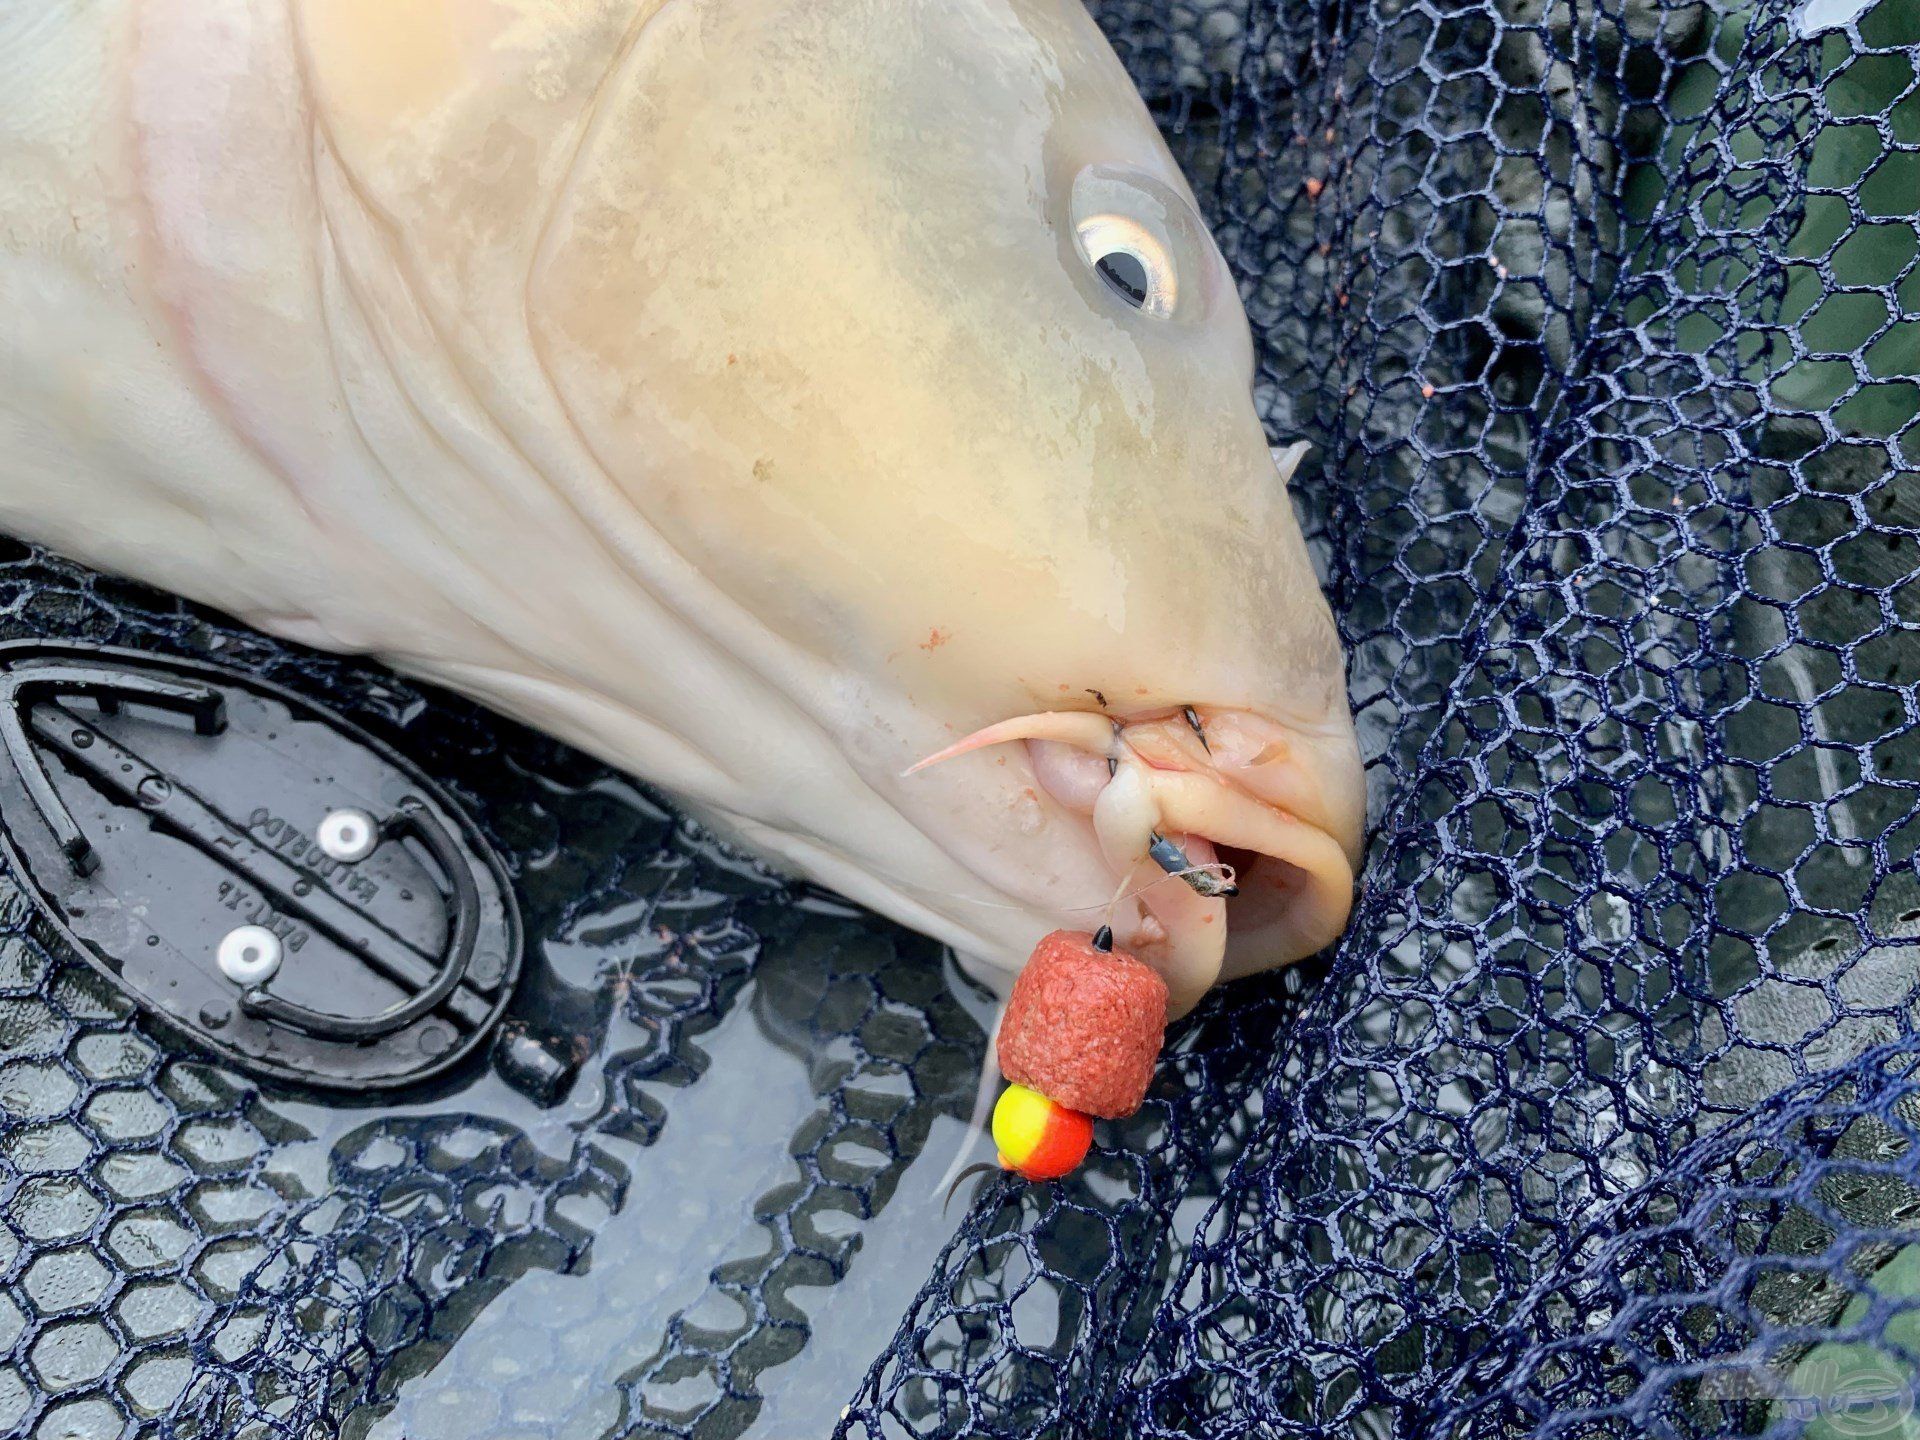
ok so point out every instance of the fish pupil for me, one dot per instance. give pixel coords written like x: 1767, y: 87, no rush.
x: 1126, y: 276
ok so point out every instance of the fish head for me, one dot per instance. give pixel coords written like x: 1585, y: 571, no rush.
x: 901, y: 323
x: 895, y: 326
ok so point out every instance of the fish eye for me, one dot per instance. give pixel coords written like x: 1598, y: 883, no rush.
x: 1133, y: 262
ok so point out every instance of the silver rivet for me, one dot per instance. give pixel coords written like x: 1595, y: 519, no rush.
x: 348, y: 835
x: 249, y: 955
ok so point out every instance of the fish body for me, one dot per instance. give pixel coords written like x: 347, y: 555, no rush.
x: 760, y: 394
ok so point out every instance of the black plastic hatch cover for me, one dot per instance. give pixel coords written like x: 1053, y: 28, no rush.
x: 251, y: 866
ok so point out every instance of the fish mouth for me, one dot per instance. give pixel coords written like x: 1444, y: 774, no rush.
x: 1233, y: 838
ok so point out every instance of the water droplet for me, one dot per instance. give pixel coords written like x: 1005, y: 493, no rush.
x: 82, y: 739
x: 155, y: 790
x: 215, y: 1016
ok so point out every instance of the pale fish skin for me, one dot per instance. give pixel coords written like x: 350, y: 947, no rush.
x: 723, y: 386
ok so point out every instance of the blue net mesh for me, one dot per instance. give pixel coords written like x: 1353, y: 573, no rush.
x: 1604, y: 320
x: 186, y: 1254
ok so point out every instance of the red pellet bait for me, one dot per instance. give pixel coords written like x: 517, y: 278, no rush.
x: 1080, y: 1036
x: 1084, y: 1025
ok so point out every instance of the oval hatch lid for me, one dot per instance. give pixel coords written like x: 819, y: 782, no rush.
x: 251, y: 867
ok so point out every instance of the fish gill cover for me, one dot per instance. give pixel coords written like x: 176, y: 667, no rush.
x: 1604, y: 1118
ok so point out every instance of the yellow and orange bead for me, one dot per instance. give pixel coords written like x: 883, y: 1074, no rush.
x: 1038, y: 1138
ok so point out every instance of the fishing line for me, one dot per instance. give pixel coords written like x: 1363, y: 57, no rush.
x: 1217, y: 868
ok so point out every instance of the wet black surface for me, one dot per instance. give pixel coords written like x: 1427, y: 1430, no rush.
x: 170, y: 820
x: 742, y: 1161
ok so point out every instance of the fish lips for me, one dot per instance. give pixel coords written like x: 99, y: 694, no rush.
x: 1270, y: 812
